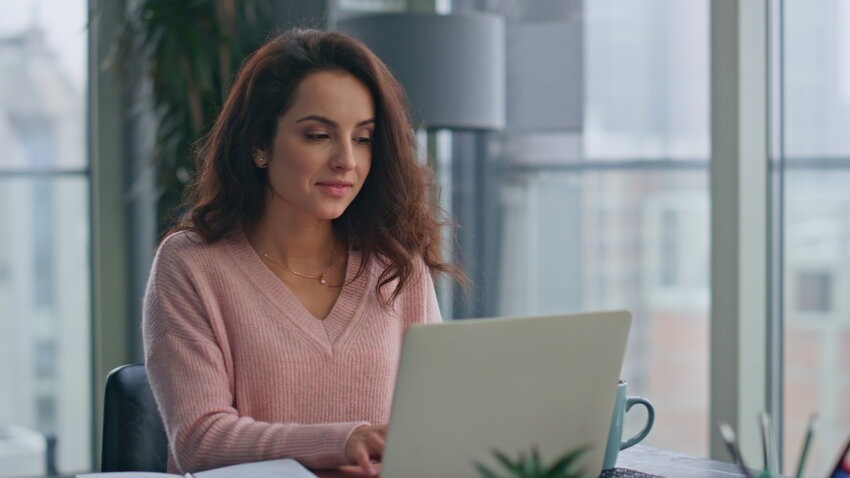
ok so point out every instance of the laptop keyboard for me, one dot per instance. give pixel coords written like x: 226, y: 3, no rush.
x: 626, y: 473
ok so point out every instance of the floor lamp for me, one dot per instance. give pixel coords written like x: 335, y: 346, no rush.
x: 453, y: 70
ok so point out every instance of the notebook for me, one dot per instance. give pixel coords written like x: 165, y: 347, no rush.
x: 465, y: 388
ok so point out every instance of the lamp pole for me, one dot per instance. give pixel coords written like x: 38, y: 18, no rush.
x: 434, y: 147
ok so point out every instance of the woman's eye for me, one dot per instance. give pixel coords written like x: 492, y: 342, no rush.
x: 317, y: 136
x: 363, y: 140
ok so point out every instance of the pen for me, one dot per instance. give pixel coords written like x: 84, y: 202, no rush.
x: 728, y: 435
x: 807, y: 443
x: 773, y: 453
x: 765, y: 444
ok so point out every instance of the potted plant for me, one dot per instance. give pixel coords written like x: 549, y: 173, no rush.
x: 531, y: 466
x: 188, y: 51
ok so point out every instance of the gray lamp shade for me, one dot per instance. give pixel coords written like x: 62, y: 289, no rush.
x: 451, y: 66
x: 545, y: 91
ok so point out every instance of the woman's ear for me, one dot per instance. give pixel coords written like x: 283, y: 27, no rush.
x: 260, y: 159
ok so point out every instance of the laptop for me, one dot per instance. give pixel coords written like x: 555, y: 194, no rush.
x: 468, y: 387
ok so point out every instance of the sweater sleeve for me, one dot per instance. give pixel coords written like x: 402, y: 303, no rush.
x: 193, y: 389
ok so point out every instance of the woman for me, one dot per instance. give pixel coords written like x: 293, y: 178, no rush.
x: 274, y: 312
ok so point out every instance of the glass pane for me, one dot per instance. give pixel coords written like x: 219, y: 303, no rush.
x: 45, y: 333
x: 817, y: 79
x: 621, y: 240
x: 817, y: 229
x: 614, y: 213
x: 42, y: 85
x: 646, y: 79
x: 45, y: 416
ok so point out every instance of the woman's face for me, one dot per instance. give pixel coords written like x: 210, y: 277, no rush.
x: 322, y: 148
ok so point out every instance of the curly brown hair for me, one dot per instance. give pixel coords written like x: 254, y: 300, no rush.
x: 391, y: 219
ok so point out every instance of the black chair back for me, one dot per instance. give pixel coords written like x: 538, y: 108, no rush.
x: 133, y: 435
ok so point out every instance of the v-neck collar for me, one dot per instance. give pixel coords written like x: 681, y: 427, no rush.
x: 329, y: 334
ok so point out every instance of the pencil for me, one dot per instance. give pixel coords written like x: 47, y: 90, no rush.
x: 807, y: 443
x: 765, y: 442
x: 731, y: 441
x: 773, y: 441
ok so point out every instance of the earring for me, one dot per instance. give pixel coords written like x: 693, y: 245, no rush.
x: 260, y: 160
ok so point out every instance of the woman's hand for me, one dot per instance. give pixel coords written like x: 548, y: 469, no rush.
x: 365, y: 444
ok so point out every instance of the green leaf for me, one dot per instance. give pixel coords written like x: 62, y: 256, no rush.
x: 507, y: 463
x: 562, y: 467
x: 527, y: 466
x: 485, y: 472
x: 532, y: 466
x: 536, y: 463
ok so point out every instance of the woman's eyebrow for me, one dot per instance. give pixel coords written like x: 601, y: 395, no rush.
x: 330, y: 122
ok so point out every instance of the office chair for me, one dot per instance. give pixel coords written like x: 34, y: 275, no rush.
x: 133, y: 434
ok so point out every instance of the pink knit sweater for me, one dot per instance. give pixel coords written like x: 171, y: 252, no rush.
x: 242, y: 372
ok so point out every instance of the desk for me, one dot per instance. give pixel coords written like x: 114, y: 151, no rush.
x: 641, y: 458
x: 673, y: 464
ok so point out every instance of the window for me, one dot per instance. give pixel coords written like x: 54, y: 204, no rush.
x: 610, y: 210
x: 605, y: 203
x: 815, y: 114
x: 44, y: 238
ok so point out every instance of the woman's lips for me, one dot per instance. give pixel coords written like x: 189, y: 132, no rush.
x: 336, y: 190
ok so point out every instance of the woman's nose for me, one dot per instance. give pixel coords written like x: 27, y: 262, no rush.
x: 344, y: 157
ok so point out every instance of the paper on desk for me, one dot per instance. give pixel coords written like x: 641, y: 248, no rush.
x: 283, y: 468
x: 126, y: 474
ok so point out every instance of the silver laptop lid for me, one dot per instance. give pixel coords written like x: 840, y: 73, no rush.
x: 467, y: 387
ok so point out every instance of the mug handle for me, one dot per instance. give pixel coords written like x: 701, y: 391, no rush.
x: 650, y: 419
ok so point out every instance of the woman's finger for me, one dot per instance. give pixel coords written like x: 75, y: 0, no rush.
x: 376, y: 443
x: 363, y: 460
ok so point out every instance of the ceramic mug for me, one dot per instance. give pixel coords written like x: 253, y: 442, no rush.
x: 623, y: 404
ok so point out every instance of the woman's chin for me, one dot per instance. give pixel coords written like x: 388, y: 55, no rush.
x: 331, y: 214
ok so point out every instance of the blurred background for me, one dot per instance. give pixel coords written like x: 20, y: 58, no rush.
x: 593, y: 194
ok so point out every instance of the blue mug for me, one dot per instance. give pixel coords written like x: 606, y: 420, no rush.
x: 623, y: 404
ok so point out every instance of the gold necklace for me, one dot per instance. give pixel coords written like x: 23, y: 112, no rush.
x: 320, y: 277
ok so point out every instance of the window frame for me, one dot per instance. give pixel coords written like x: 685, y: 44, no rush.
x: 111, y: 323
x: 745, y: 360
